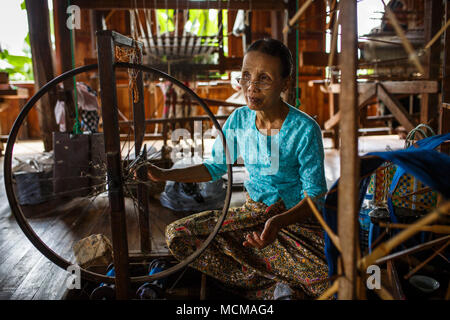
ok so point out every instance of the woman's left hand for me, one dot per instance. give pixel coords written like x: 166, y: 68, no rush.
x: 269, y: 234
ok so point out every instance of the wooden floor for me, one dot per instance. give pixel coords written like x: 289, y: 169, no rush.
x: 25, y: 274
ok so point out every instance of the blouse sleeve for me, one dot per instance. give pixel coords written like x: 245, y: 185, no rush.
x: 216, y: 164
x: 311, y: 159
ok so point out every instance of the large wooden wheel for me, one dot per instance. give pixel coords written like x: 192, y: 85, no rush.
x: 113, y: 181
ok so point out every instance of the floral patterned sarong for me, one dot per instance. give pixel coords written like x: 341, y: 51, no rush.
x: 296, y: 257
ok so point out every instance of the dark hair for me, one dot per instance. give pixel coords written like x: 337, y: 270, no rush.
x: 275, y: 48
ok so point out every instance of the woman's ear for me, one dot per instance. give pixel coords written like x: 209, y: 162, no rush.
x: 286, y: 84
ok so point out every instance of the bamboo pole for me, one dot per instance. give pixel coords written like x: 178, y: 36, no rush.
x: 360, y: 281
x: 297, y: 15
x: 384, y: 248
x: 349, y: 181
x: 334, y: 238
x: 412, y: 250
x: 374, y: 244
x: 406, y: 44
x: 384, y: 294
x: 437, y: 35
x: 433, y: 228
x: 330, y: 291
x: 333, y: 39
x: 420, y: 266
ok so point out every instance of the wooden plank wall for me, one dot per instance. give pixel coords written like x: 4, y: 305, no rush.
x: 312, y: 38
x: 314, y: 102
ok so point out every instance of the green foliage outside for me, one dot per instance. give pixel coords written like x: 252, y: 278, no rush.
x: 19, y: 67
x: 200, y: 23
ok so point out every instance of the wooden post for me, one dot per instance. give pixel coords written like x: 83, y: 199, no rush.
x: 444, y: 114
x: 446, y: 64
x: 97, y: 22
x: 333, y: 99
x: 142, y: 189
x: 432, y: 22
x: 276, y: 19
x: 349, y: 180
x: 247, y: 35
x: 396, y: 108
x: 220, y: 36
x: 63, y: 54
x: 290, y: 40
x: 110, y: 116
x: 41, y: 51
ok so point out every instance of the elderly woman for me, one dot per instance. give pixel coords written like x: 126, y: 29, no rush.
x: 273, y: 240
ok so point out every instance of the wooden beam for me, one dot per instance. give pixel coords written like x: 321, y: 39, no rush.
x: 297, y: 15
x: 396, y: 108
x: 429, y: 105
x: 399, y: 87
x: 215, y: 102
x: 363, y: 99
x: 174, y: 120
x: 108, y: 94
x: 180, y: 4
x: 41, y: 52
x: 349, y: 177
x: 316, y: 58
x: 229, y: 63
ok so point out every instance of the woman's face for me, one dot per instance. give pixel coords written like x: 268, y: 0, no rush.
x: 265, y: 69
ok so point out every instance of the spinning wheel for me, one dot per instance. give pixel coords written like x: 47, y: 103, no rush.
x: 111, y: 174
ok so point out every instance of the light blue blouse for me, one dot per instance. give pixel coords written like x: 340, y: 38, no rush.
x: 283, y: 165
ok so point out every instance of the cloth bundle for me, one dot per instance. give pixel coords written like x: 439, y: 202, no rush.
x: 193, y: 197
x: 87, y: 106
